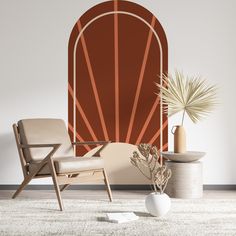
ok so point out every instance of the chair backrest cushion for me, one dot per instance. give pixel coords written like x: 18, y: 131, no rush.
x: 44, y: 131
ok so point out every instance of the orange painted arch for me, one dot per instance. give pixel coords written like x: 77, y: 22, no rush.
x: 117, y: 50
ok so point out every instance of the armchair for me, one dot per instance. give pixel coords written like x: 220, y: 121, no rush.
x: 45, y: 150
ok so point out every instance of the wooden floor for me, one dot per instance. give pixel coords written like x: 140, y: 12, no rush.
x: 98, y: 194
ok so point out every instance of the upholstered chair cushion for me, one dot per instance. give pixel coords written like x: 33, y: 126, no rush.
x: 71, y: 165
x: 45, y: 131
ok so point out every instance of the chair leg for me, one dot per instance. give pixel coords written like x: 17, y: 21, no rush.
x: 107, y: 185
x: 55, y: 182
x: 28, y: 178
x: 22, y: 186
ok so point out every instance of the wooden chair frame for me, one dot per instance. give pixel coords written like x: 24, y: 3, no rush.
x: 65, y: 179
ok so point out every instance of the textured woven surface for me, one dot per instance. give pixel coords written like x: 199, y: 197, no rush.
x: 81, y: 217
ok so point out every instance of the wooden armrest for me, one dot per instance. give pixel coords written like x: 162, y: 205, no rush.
x: 53, y: 145
x: 47, y: 159
x: 97, y: 153
x: 91, y: 143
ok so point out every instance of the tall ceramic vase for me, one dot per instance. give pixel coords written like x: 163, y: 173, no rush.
x: 179, y: 139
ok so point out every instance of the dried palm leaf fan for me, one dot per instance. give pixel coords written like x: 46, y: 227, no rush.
x: 191, y: 95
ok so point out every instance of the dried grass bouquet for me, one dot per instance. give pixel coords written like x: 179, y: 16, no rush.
x: 147, y: 160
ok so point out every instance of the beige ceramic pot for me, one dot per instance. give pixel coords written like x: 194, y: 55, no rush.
x: 179, y: 139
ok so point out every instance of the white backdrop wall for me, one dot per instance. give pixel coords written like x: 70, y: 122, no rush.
x: 33, y: 71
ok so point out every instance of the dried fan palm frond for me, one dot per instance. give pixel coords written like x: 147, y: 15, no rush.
x: 190, y: 95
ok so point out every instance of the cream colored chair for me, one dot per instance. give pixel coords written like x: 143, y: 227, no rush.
x: 45, y: 150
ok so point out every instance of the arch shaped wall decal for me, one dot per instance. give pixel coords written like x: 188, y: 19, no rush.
x: 117, y: 50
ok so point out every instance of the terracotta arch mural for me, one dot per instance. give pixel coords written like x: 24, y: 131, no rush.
x: 117, y: 50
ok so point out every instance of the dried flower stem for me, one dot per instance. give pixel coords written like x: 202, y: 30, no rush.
x: 182, y: 123
x: 148, y: 164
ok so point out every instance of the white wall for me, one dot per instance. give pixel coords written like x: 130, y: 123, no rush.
x: 33, y: 70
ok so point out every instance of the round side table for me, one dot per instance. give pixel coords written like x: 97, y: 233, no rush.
x: 186, y: 180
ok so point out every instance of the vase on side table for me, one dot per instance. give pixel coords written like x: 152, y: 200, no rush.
x: 179, y: 139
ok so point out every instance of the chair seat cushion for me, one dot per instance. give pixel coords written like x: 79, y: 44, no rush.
x: 71, y: 165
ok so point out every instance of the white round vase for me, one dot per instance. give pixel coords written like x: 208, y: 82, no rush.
x: 157, y: 204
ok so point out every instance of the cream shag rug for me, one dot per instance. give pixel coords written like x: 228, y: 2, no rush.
x: 187, y: 217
